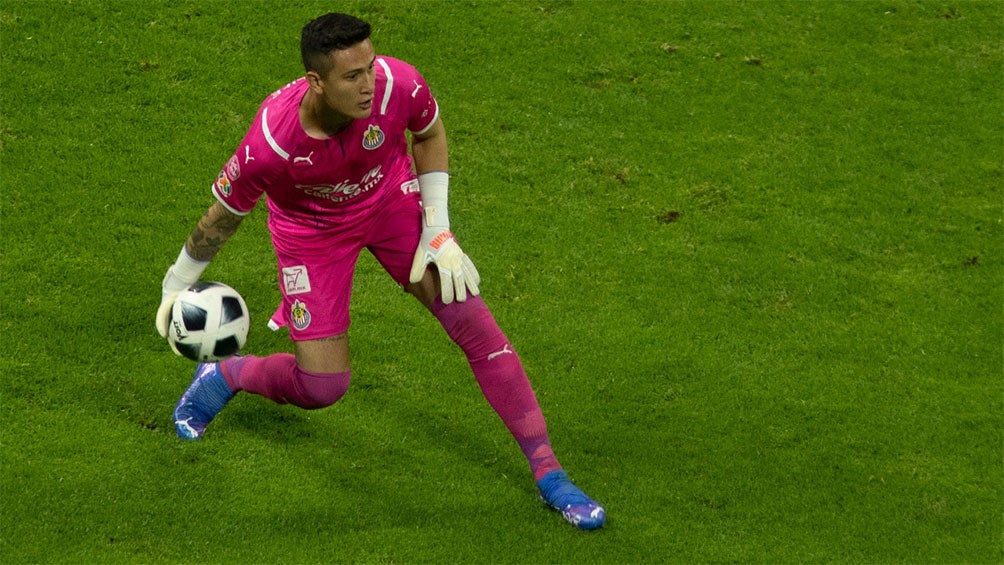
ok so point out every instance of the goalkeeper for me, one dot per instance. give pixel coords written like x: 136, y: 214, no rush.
x: 330, y: 151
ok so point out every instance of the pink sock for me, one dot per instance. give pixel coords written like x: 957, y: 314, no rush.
x: 278, y: 378
x: 501, y: 377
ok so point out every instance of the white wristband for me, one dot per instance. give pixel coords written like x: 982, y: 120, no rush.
x: 188, y: 269
x: 434, y: 187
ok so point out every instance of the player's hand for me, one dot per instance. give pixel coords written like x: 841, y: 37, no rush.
x: 170, y: 289
x: 182, y: 274
x: 164, y: 312
x: 457, y: 274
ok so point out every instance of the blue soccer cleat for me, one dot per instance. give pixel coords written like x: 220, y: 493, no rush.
x: 580, y: 510
x: 205, y: 397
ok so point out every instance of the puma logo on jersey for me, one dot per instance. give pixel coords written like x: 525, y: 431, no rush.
x: 304, y: 159
x: 247, y: 154
x: 505, y: 349
x: 417, y: 88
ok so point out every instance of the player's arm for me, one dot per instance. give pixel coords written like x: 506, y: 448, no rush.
x: 213, y: 230
x: 429, y: 149
x: 457, y: 274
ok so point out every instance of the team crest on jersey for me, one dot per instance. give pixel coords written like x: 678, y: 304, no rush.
x: 373, y: 137
x: 223, y: 184
x: 300, y: 316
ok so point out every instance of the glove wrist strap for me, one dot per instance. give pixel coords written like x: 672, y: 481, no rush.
x: 188, y: 269
x: 434, y: 187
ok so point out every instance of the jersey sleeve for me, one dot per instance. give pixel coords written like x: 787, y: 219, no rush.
x: 422, y: 109
x: 250, y: 169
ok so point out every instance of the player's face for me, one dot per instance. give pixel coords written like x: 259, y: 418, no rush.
x: 348, y: 86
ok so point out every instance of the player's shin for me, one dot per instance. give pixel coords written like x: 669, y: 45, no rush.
x: 278, y: 378
x: 501, y: 377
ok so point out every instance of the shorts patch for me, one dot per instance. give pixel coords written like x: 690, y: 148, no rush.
x: 299, y: 315
x: 295, y: 280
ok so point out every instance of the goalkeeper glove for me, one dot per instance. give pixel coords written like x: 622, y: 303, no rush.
x: 457, y: 273
x: 184, y: 273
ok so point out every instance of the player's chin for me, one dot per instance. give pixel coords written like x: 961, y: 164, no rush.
x: 363, y: 111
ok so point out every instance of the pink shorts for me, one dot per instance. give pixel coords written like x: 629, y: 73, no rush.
x: 315, y: 272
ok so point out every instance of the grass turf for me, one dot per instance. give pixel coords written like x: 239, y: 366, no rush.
x: 751, y: 254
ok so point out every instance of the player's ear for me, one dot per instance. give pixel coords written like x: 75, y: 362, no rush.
x: 315, y: 81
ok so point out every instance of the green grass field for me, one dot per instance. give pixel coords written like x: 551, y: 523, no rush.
x: 752, y: 254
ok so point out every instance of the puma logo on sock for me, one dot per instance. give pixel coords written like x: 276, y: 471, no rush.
x: 505, y: 349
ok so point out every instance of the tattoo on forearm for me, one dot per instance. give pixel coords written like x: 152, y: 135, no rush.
x: 212, y: 232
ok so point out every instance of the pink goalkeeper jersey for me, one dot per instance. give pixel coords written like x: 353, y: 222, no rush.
x: 315, y: 184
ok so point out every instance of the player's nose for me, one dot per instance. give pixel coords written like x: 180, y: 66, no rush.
x: 368, y: 85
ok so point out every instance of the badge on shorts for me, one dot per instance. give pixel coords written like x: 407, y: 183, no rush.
x: 295, y: 280
x: 300, y: 316
x: 373, y: 137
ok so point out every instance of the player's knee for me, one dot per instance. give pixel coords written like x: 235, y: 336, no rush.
x: 320, y: 390
x: 471, y: 326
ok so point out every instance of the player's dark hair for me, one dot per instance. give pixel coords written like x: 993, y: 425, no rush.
x: 326, y: 34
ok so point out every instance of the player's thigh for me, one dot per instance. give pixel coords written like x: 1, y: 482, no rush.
x: 316, y: 283
x: 427, y: 289
x: 394, y: 241
x: 324, y: 355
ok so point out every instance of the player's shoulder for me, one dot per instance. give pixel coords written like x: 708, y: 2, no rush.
x: 284, y: 104
x: 276, y: 127
x: 392, y: 67
x: 396, y: 64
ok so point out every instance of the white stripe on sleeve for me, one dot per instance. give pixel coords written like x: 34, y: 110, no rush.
x: 434, y: 118
x: 232, y: 210
x: 268, y: 136
x: 387, y: 89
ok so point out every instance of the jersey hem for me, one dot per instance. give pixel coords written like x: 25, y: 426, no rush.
x: 228, y: 206
x: 435, y: 119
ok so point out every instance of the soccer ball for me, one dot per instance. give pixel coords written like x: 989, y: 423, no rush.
x: 209, y: 322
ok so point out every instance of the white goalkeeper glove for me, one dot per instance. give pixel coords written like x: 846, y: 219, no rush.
x: 184, y: 273
x: 457, y: 273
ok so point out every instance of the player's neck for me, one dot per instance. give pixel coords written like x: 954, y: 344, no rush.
x: 319, y: 121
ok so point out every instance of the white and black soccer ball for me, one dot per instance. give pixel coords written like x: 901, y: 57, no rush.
x: 209, y: 322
